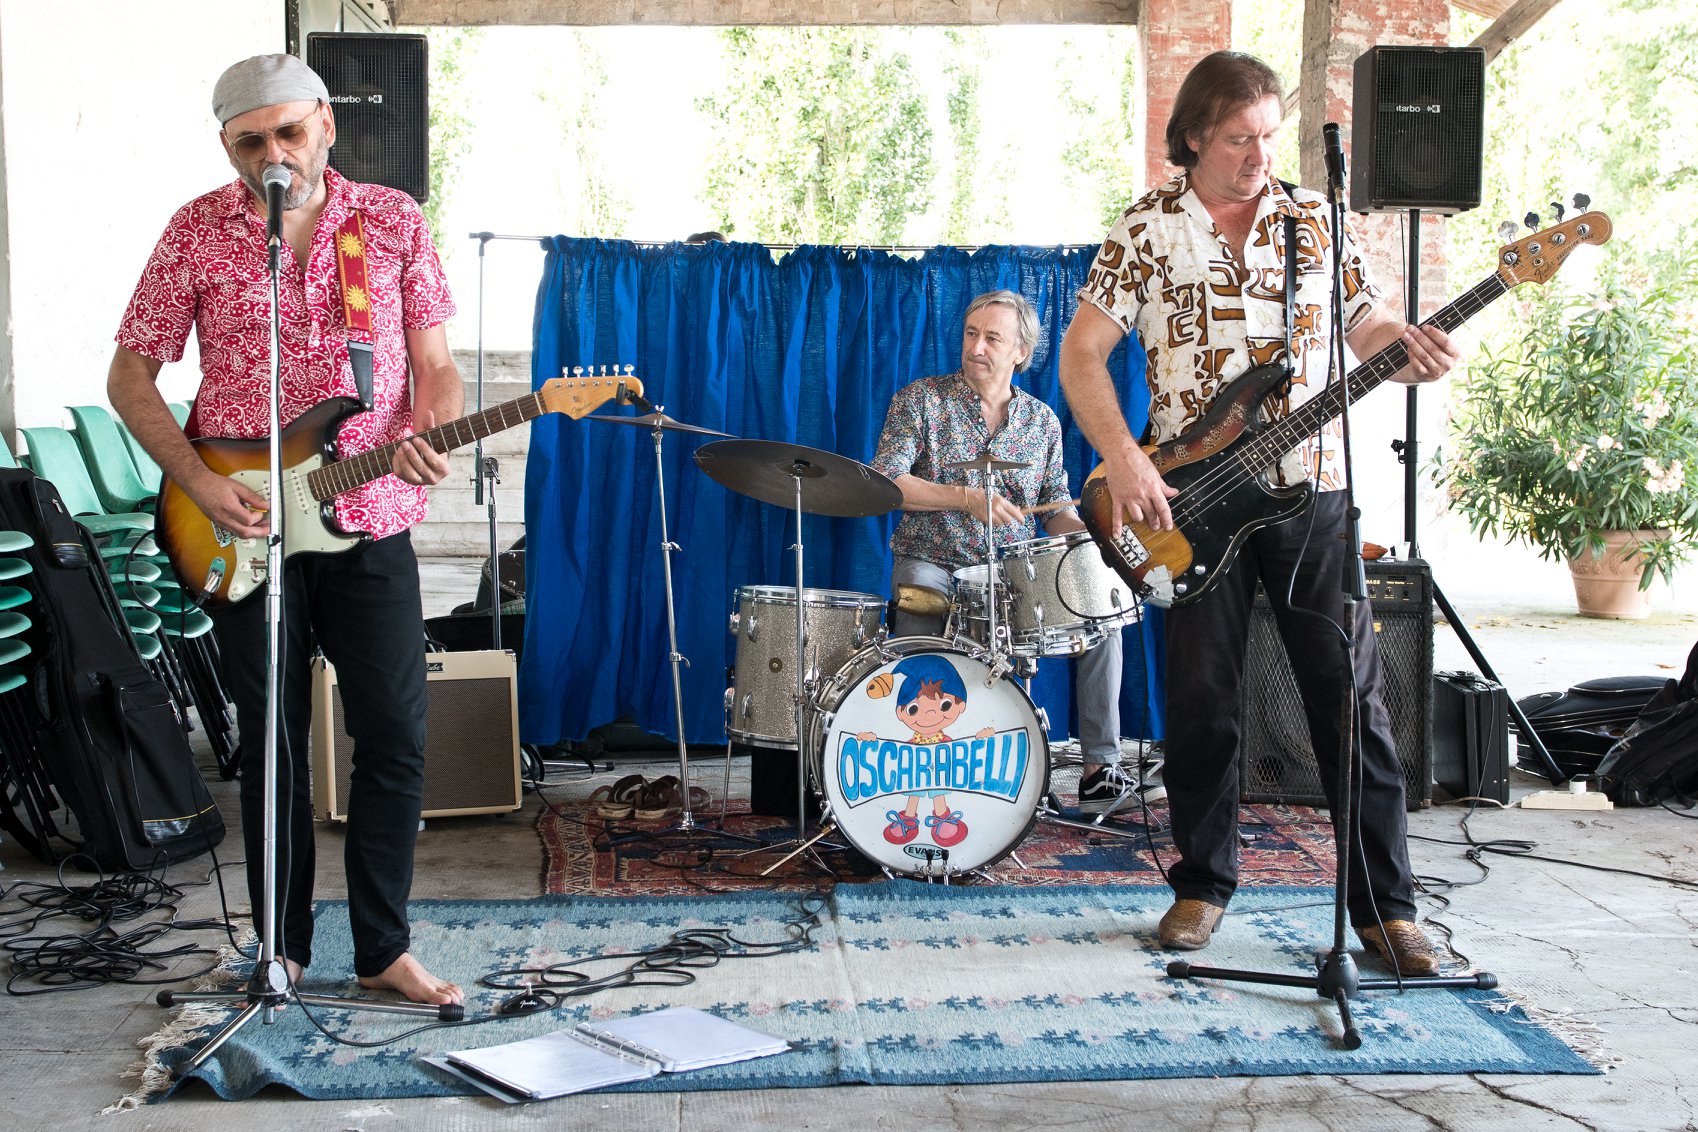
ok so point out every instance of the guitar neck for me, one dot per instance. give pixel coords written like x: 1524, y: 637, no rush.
x: 345, y: 475
x: 1283, y: 435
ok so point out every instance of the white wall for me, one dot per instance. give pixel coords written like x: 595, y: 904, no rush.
x: 108, y: 128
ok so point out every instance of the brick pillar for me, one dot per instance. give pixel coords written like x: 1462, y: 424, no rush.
x: 1175, y: 35
x: 1335, y: 32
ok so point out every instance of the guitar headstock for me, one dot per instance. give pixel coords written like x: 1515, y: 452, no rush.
x: 586, y: 390
x: 1535, y: 258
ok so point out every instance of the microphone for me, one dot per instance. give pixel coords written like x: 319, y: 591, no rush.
x: 1334, y: 145
x: 276, y: 180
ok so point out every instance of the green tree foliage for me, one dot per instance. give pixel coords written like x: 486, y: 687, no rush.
x: 1099, y: 88
x: 596, y: 206
x: 821, y: 136
x: 451, y: 52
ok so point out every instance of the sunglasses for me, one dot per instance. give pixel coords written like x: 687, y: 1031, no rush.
x: 290, y: 135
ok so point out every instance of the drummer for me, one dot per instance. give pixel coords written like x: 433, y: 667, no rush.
x: 937, y: 421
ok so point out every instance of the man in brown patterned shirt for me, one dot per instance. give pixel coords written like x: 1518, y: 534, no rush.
x: 1196, y: 269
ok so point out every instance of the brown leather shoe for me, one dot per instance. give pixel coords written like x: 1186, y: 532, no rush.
x: 1188, y: 925
x: 1410, y: 952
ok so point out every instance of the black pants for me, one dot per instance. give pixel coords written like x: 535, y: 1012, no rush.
x: 363, y: 609
x: 1205, y: 684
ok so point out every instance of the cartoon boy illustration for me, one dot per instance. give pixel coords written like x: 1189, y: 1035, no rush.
x: 931, y: 698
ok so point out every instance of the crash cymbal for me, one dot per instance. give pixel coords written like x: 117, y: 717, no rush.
x: 660, y: 421
x: 990, y: 460
x: 769, y: 470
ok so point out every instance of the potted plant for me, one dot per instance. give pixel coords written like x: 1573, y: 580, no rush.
x: 1580, y: 438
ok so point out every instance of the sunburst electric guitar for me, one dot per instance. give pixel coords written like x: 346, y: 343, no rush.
x: 1221, y: 464
x: 218, y: 569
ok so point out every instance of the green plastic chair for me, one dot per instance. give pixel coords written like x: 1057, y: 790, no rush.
x: 107, y: 460
x: 54, y: 456
x: 179, y: 410
x: 147, y: 471
x: 7, y: 460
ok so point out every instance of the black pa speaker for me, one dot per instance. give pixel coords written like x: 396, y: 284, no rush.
x: 380, y: 92
x: 1417, y: 129
x: 1276, y: 757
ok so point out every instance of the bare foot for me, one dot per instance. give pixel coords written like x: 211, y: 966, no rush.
x: 407, y: 977
x: 294, y: 970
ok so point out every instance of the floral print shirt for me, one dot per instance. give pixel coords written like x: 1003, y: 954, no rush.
x: 208, y: 273
x: 937, y: 421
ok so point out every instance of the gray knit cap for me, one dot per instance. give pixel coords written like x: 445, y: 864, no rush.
x: 265, y: 80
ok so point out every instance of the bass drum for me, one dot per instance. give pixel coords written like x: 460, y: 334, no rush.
x: 928, y: 762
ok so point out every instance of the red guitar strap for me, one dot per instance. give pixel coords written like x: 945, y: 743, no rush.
x: 356, y: 300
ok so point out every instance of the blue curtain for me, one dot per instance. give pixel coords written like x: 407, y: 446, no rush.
x: 807, y: 350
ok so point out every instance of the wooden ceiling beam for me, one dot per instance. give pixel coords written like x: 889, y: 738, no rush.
x: 759, y: 13
x: 1514, y: 23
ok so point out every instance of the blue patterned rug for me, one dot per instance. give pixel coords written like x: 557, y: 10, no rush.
x: 906, y: 984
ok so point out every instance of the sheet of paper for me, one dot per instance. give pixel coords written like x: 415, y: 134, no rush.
x: 683, y: 1038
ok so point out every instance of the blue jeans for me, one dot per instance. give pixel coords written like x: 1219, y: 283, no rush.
x: 1096, y: 675
x: 363, y: 610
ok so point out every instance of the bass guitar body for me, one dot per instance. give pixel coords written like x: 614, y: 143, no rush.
x: 1224, y: 496
x: 219, y: 569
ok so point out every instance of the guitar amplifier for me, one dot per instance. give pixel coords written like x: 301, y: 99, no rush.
x: 1276, y: 757
x: 471, y: 737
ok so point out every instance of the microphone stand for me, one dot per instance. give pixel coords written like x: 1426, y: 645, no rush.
x: 1336, y: 977
x: 269, y: 988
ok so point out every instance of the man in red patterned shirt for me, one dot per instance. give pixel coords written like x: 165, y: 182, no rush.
x: 209, y: 273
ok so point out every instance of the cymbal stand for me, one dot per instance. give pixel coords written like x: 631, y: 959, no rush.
x: 686, y: 822
x: 269, y: 988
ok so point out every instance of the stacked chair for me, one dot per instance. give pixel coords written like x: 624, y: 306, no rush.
x: 26, y: 802
x: 112, y: 495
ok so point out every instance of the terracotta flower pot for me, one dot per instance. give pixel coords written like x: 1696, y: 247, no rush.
x: 1607, y: 585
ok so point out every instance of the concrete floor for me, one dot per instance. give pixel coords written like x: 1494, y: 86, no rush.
x: 1612, y: 951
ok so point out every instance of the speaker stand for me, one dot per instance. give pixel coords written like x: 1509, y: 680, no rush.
x: 1408, y: 451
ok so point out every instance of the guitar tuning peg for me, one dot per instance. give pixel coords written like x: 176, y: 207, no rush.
x: 1531, y: 220
x: 604, y: 371
x: 629, y: 370
x: 1582, y: 202
x: 1506, y: 231
x: 577, y: 371
x: 1557, y: 210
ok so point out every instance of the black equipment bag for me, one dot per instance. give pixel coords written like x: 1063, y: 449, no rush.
x: 106, y: 736
x: 1657, y: 760
x: 1579, y: 726
x: 1470, y: 736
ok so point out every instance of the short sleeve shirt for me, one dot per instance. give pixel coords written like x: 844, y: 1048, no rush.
x: 1165, y: 270
x: 937, y: 421
x: 208, y: 274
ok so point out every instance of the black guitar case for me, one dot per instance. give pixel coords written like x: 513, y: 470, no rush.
x: 99, y: 730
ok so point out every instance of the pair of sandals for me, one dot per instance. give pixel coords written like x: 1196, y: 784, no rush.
x: 635, y: 797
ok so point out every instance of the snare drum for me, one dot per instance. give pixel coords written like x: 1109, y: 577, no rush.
x: 929, y: 762
x: 760, y: 705
x: 1063, y: 598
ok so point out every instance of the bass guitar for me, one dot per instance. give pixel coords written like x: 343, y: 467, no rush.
x: 218, y: 569
x: 1221, y: 464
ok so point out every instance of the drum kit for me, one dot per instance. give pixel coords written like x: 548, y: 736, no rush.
x: 927, y: 753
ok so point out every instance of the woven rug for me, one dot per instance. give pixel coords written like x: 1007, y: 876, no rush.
x: 1282, y: 845
x: 906, y: 983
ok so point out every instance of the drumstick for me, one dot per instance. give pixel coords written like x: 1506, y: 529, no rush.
x: 825, y: 829
x: 1043, y: 507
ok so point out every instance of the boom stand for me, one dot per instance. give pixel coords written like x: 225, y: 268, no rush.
x: 1408, y: 451
x: 269, y: 988
x: 686, y: 819
x: 1336, y: 977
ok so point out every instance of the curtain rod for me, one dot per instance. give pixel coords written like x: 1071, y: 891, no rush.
x: 485, y: 237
